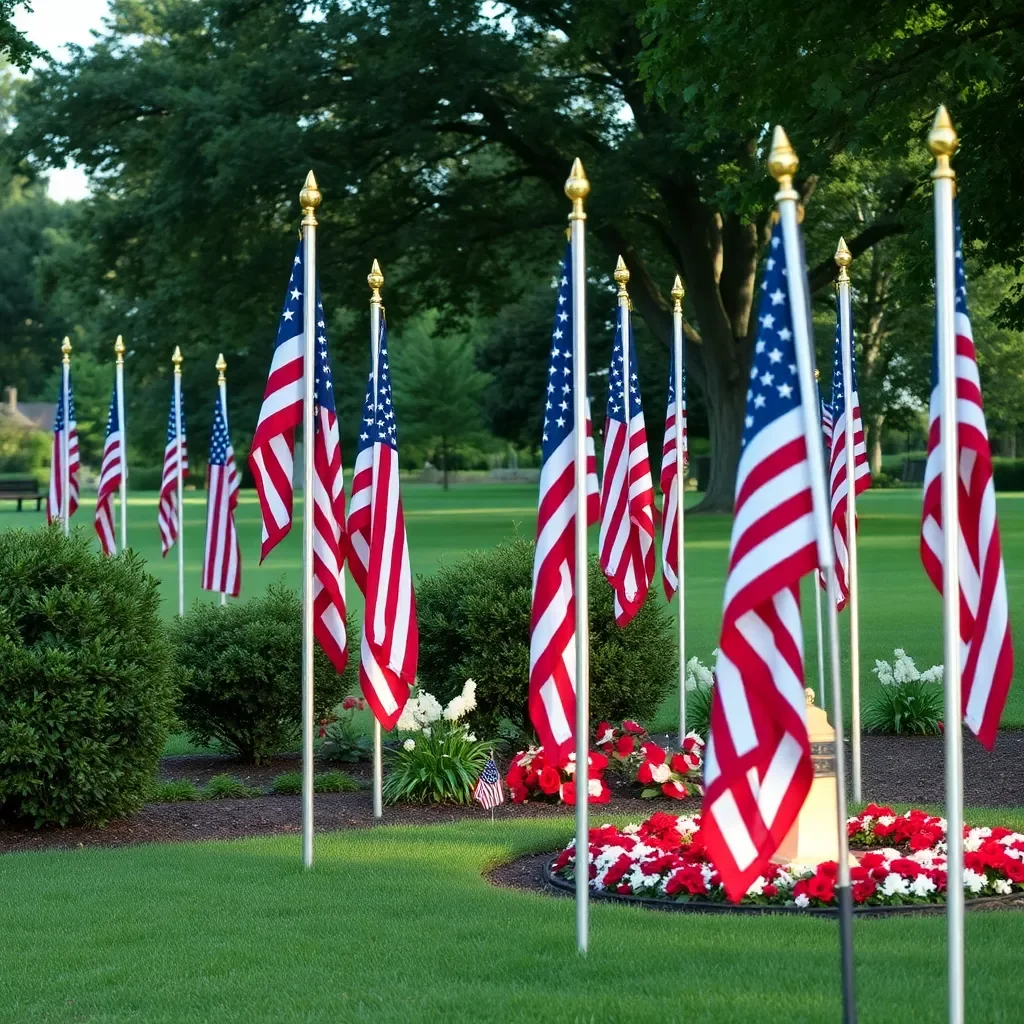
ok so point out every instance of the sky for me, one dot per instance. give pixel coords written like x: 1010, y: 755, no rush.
x: 52, y: 24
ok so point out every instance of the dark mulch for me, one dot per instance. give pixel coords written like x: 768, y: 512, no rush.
x: 896, y: 769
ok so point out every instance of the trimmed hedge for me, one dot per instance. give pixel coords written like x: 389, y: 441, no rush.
x: 86, y: 684
x: 474, y: 621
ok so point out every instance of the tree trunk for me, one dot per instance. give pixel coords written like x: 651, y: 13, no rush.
x: 726, y: 403
x: 873, y: 429
x: 444, y: 465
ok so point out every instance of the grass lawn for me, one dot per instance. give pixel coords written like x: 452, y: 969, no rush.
x: 899, y: 607
x: 397, y: 924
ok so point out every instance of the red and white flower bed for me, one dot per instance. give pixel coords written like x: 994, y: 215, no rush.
x: 662, y: 772
x: 664, y: 859
x: 532, y: 777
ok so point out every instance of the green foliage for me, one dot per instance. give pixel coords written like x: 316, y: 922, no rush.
x: 474, y: 619
x: 698, y: 709
x: 911, y: 708
x: 224, y: 787
x: 344, y: 739
x: 290, y: 783
x: 14, y: 45
x: 241, y: 670
x: 86, y: 687
x: 440, y: 768
x: 22, y: 452
x: 175, y: 791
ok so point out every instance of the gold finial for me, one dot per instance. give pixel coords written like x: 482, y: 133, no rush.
x: 943, y: 142
x: 577, y: 188
x: 65, y: 347
x: 621, y: 276
x: 817, y: 374
x: 375, y: 279
x: 843, y: 258
x: 119, y: 349
x: 677, y: 294
x: 176, y: 359
x: 783, y: 163
x: 221, y: 367
x: 309, y: 200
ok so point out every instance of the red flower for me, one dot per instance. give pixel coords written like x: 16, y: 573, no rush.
x: 349, y: 703
x: 519, y: 794
x: 872, y: 861
x: 362, y: 704
x: 633, y: 727
x: 597, y: 763
x: 879, y: 812
x: 606, y: 835
x: 653, y: 753
x: 675, y: 790
x: 625, y: 746
x: 925, y: 839
x: 821, y: 887
x: 1013, y: 869
x: 828, y: 869
x: 515, y: 774
x: 659, y: 824
x: 618, y: 870
x: 906, y: 867
x: 549, y: 781
x: 679, y: 764
x: 770, y: 890
x: 563, y: 858
x: 863, y: 890
x: 603, y: 728
x: 643, y: 773
x: 568, y: 792
x: 689, y: 878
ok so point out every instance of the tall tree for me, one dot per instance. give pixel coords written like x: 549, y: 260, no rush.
x: 14, y: 45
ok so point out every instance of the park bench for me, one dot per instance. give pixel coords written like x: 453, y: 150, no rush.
x: 21, y: 489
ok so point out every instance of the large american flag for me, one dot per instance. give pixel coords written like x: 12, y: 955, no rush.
x: 758, y: 767
x: 272, y: 460
x: 110, y: 480
x: 627, y: 496
x: 222, y: 567
x: 168, y: 513
x: 671, y: 479
x: 390, y: 644
x: 837, y: 459
x: 552, y: 698
x: 826, y: 424
x: 55, y: 500
x: 986, y: 649
x: 488, y: 790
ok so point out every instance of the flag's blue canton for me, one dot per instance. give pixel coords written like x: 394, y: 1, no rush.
x: 616, y: 404
x: 838, y: 397
x: 322, y: 382
x: 490, y: 772
x: 387, y: 430
x: 774, y: 385
x: 558, y: 408
x: 59, y: 425
x: 112, y: 415
x: 219, y: 441
x: 365, y: 438
x: 291, y: 316
x: 171, y: 434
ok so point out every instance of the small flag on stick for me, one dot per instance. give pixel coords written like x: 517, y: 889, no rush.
x: 489, y: 791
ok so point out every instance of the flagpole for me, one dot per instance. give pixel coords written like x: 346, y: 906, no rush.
x: 119, y: 383
x: 576, y: 188
x: 677, y: 386
x: 65, y: 437
x: 943, y: 142
x: 782, y: 164
x: 176, y: 359
x: 843, y: 259
x: 375, y: 279
x: 222, y: 386
x: 309, y: 199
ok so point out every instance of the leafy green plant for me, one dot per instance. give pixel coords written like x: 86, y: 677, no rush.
x: 474, y: 619
x: 911, y: 708
x: 344, y: 739
x: 225, y: 787
x: 86, y: 681
x: 175, y: 791
x: 698, y: 709
x: 290, y: 783
x: 241, y: 667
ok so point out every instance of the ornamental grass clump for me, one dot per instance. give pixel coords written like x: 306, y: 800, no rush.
x: 439, y: 760
x: 909, y: 703
x: 86, y: 681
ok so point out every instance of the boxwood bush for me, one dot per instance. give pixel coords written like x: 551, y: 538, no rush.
x: 86, y: 684
x: 241, y: 674
x: 474, y: 620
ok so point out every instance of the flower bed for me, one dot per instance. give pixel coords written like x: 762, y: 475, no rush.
x: 663, y: 860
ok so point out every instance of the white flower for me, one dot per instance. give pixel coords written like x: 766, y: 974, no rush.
x: 429, y: 708
x: 407, y: 720
x: 426, y: 731
x: 922, y: 886
x: 606, y: 737
x: 570, y: 768
x: 594, y: 787
x: 469, y: 694
x: 1002, y: 887
x: 409, y: 745
x: 974, y: 881
x: 757, y: 886
x: 454, y: 709
x: 895, y: 885
x: 660, y: 773
x: 802, y: 901
x: 471, y: 737
x: 886, y: 819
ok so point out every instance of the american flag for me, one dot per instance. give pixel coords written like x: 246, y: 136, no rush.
x: 552, y: 697
x: 390, y: 644
x: 986, y: 649
x: 168, y: 511
x: 489, y: 791
x: 627, y: 497
x: 671, y: 480
x: 55, y: 501
x: 110, y: 480
x: 837, y: 459
x: 758, y: 768
x: 826, y: 423
x: 272, y: 460
x: 222, y: 568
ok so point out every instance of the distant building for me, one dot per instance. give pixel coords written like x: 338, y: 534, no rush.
x: 30, y: 415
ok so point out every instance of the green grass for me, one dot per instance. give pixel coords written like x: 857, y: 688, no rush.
x: 398, y: 924
x: 899, y: 606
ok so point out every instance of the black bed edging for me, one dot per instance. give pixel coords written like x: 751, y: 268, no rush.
x: 709, y: 907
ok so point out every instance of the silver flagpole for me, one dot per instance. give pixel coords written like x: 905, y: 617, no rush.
x: 843, y: 259
x: 576, y: 188
x: 309, y: 198
x: 176, y: 359
x: 817, y: 591
x: 943, y: 142
x: 65, y: 437
x: 222, y: 386
x: 677, y: 386
x: 375, y: 279
x: 782, y: 164
x: 123, y: 489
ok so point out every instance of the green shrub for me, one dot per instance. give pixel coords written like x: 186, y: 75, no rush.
x: 1008, y: 474
x: 345, y: 739
x: 698, y: 709
x: 225, y: 787
x: 241, y: 668
x: 290, y: 783
x: 23, y: 452
x: 439, y: 765
x: 86, y: 685
x: 175, y: 791
x: 911, y: 708
x: 474, y: 619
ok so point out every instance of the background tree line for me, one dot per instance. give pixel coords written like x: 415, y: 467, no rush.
x: 441, y: 132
